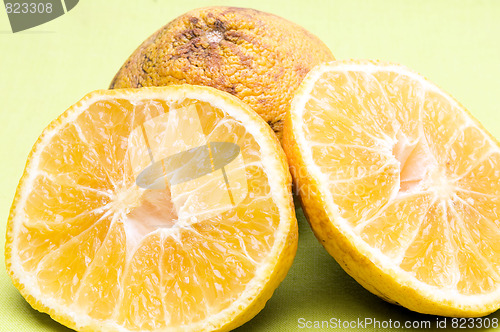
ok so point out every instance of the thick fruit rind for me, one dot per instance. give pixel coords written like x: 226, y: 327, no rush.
x: 258, y: 57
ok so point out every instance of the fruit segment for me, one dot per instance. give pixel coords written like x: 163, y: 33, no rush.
x: 100, y: 286
x: 386, y: 232
x: 60, y: 272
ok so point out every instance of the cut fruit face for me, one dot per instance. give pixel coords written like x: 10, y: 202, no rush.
x: 148, y: 209
x: 401, y: 184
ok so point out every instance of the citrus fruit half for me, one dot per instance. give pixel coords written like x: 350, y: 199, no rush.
x: 400, y: 184
x: 258, y: 57
x: 152, y: 209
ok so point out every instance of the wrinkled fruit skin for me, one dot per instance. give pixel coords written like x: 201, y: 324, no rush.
x: 258, y: 57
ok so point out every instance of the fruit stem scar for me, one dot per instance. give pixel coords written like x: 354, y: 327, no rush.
x: 214, y: 36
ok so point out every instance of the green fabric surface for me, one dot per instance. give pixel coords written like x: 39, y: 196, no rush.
x: 44, y: 70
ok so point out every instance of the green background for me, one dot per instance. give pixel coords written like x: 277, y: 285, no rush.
x: 44, y: 70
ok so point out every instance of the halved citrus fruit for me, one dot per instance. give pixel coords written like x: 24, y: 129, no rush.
x: 153, y: 209
x: 400, y: 184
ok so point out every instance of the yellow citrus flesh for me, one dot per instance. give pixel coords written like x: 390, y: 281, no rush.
x: 400, y: 184
x: 89, y: 246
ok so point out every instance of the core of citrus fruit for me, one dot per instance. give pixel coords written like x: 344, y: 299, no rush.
x: 400, y: 184
x: 152, y: 209
x: 258, y: 57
